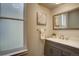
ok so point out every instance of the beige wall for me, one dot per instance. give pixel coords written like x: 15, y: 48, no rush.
x: 71, y: 34
x: 35, y: 45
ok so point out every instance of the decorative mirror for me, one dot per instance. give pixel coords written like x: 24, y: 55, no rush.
x: 67, y: 20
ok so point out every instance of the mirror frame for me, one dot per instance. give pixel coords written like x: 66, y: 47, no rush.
x: 63, y: 28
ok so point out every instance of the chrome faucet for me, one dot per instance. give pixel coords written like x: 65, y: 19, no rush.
x: 61, y: 37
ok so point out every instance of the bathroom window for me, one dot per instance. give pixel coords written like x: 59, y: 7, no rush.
x: 11, y: 29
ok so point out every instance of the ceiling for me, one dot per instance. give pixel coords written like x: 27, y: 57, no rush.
x: 50, y: 5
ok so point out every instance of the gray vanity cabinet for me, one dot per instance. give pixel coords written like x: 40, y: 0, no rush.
x: 57, y: 49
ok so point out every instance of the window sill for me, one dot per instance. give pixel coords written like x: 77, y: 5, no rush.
x: 18, y: 53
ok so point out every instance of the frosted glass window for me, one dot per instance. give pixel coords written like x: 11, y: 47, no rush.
x: 12, y: 10
x: 11, y: 35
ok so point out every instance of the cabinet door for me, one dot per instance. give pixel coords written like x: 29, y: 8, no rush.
x: 11, y: 10
x: 56, y: 51
x: 64, y: 53
x: 48, y: 51
x: 52, y: 51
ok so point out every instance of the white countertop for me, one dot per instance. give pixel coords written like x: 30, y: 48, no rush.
x: 72, y: 43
